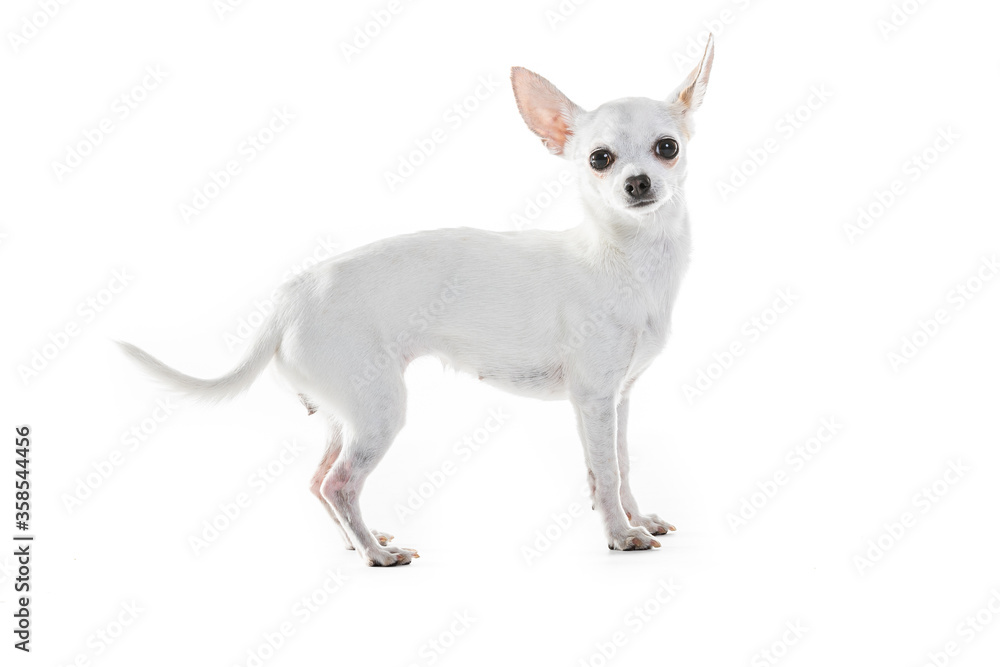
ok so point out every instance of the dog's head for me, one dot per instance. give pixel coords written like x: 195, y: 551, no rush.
x: 630, y: 153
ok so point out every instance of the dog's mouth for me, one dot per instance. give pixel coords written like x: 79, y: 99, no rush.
x: 643, y: 204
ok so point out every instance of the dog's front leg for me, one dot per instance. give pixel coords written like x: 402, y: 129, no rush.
x: 598, y: 417
x: 650, y: 522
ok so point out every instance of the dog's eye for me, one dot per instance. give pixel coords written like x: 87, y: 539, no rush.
x: 601, y: 159
x: 667, y: 149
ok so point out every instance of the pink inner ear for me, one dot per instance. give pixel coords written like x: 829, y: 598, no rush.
x: 542, y: 107
x: 686, y: 95
x: 558, y: 129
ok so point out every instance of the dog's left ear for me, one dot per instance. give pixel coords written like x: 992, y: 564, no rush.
x: 689, y: 94
x: 548, y: 112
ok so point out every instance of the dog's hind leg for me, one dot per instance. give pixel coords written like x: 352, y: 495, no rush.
x: 333, y: 448
x: 377, y: 419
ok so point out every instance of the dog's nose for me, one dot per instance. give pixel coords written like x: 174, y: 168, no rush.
x: 637, y: 186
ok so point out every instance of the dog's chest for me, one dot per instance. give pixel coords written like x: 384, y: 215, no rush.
x: 658, y: 284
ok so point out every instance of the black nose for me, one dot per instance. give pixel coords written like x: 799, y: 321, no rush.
x: 637, y: 186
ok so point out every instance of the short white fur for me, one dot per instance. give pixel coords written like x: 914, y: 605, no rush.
x: 577, y: 314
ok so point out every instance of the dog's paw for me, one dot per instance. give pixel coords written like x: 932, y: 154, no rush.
x: 633, y: 539
x: 383, y: 538
x: 652, y: 523
x: 391, y: 556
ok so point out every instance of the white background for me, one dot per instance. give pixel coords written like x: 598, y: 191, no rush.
x: 321, y: 181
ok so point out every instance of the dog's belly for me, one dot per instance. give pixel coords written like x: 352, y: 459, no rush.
x: 533, y: 379
x: 542, y: 382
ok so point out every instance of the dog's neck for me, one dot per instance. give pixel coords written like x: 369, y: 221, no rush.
x: 646, y: 244
x: 646, y: 257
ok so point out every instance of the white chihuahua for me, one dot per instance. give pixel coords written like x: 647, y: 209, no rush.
x: 576, y: 314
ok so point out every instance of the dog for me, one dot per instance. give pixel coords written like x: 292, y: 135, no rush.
x: 577, y: 314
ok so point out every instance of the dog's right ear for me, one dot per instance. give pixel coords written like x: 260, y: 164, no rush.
x: 548, y: 113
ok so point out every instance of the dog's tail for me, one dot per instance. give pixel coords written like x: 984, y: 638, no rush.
x: 228, y: 386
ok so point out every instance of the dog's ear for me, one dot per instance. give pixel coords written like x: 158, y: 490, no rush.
x: 689, y: 94
x: 548, y: 113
